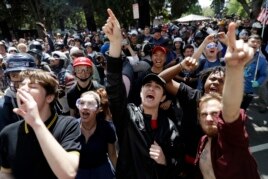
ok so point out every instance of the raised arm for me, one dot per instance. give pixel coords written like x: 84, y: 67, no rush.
x: 64, y: 164
x: 113, y: 31
x: 237, y: 56
x: 115, y: 87
x: 168, y: 74
x: 207, y: 40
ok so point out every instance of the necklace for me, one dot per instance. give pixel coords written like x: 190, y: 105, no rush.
x: 88, y: 129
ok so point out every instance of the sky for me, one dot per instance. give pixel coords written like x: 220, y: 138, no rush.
x: 204, y: 3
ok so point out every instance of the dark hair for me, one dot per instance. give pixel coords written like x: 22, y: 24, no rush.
x: 204, y: 74
x: 187, y: 46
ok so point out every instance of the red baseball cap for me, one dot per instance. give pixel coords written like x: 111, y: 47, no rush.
x: 159, y: 48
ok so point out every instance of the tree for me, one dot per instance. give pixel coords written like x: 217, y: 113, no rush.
x: 180, y: 7
x: 236, y: 8
x: 208, y: 12
x: 250, y: 8
x: 218, y: 5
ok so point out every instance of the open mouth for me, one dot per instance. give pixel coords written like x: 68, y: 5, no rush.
x: 150, y: 97
x: 213, y: 90
x: 85, y: 114
x: 212, y: 51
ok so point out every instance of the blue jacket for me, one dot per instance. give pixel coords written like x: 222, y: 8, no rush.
x: 250, y: 69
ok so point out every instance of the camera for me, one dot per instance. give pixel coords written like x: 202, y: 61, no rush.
x: 216, y: 37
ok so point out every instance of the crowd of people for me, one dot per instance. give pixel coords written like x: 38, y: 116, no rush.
x: 162, y: 102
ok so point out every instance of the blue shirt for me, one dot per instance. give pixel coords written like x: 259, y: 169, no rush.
x: 258, y: 62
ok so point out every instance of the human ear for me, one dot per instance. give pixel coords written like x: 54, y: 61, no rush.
x: 50, y: 98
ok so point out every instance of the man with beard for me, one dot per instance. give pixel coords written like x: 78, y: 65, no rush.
x: 223, y: 152
x: 213, y: 81
x: 83, y: 71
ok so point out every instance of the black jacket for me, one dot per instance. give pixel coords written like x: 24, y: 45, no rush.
x: 7, y: 104
x: 135, y: 134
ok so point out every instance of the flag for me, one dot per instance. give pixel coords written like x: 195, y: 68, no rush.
x: 263, y: 16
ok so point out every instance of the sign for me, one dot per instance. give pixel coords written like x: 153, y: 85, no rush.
x: 135, y: 9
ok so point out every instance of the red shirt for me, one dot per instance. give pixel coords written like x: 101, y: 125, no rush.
x: 230, y: 155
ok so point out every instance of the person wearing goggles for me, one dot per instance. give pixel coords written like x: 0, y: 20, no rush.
x: 83, y: 70
x: 209, y: 48
x: 97, y: 140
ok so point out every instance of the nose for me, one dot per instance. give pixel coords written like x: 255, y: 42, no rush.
x: 216, y: 82
x: 84, y: 106
x: 151, y: 87
x: 209, y: 117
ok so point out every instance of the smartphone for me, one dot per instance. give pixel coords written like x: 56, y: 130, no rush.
x: 216, y: 37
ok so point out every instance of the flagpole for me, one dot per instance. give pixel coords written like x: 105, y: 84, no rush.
x: 265, y: 19
x: 262, y: 33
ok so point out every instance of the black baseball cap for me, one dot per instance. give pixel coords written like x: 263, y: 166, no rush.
x: 155, y: 78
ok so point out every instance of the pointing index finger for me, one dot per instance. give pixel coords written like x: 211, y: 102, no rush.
x: 111, y: 14
x: 231, y: 35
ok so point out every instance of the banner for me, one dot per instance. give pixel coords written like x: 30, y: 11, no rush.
x: 135, y: 9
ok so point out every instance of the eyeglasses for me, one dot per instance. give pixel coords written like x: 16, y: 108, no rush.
x: 12, y: 51
x: 211, y: 45
x: 91, y: 105
x: 81, y: 69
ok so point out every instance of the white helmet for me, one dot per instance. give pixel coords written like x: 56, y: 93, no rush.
x: 256, y: 25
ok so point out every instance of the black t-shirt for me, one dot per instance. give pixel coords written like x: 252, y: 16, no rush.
x: 94, y: 151
x: 191, y: 130
x: 20, y: 150
x: 75, y: 92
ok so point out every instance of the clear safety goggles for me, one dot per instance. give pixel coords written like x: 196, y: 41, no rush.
x: 80, y: 69
x: 91, y: 105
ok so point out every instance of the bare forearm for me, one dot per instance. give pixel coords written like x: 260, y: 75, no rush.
x: 112, y: 154
x: 132, y: 53
x: 4, y: 175
x: 171, y: 72
x: 199, y: 51
x: 62, y: 163
x: 232, y: 93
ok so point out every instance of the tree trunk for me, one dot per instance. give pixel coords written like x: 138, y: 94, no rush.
x: 5, y: 30
x: 256, y: 7
x: 88, y: 10
x: 144, y: 12
x: 245, y: 6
